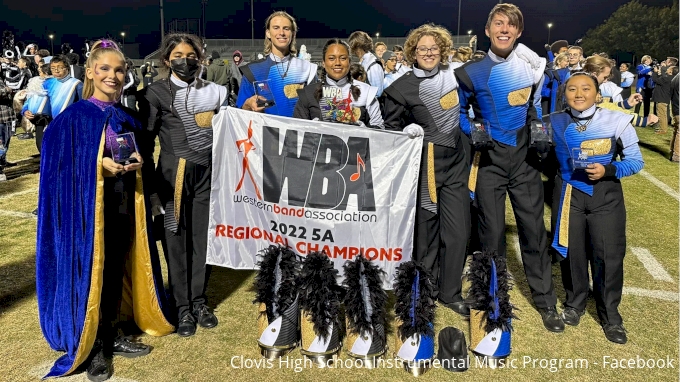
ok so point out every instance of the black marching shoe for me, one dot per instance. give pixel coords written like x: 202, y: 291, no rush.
x: 571, y: 316
x: 186, y: 326
x: 459, y: 307
x: 206, y: 318
x: 615, y: 333
x: 124, y: 347
x: 551, y: 319
x: 100, y: 368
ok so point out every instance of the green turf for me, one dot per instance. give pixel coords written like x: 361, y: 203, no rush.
x: 652, y: 323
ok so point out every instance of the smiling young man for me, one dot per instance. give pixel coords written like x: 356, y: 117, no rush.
x: 278, y: 75
x: 503, y: 90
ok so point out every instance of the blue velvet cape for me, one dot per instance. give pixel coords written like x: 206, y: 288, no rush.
x: 70, y: 247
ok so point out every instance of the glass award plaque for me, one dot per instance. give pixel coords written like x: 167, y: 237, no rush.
x: 263, y: 90
x: 540, y: 133
x: 581, y: 157
x: 122, y: 148
x: 479, y: 132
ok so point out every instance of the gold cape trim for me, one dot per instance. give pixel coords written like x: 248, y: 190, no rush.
x: 472, y: 180
x: 147, y: 311
x: 91, y: 323
x: 564, y: 218
x: 139, y: 288
x: 431, y: 181
x: 179, y: 186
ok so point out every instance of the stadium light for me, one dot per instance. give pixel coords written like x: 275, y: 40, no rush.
x: 549, y: 27
x: 51, y: 36
x: 377, y: 34
x: 123, y: 34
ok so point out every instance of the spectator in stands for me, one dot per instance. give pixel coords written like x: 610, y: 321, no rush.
x: 661, y: 96
x: 627, y: 79
x: 361, y: 45
x: 235, y: 80
x: 149, y: 72
x: 645, y: 83
x: 218, y: 71
x: 575, y: 55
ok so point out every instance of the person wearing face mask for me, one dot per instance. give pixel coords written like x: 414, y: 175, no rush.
x: 179, y: 109
x: 424, y: 102
x: 504, y: 91
x: 589, y: 216
x: 338, y: 98
x: 281, y: 73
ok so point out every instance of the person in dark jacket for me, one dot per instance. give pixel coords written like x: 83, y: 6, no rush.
x: 218, y: 71
x: 675, y: 141
x: 661, y: 96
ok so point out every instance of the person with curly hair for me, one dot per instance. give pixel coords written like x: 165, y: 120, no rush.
x: 424, y: 102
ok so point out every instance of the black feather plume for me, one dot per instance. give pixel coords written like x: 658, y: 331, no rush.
x: 414, y: 304
x: 276, y: 281
x: 479, y: 298
x: 365, y: 298
x: 320, y: 292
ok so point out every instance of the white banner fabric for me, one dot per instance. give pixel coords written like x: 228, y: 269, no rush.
x: 311, y: 186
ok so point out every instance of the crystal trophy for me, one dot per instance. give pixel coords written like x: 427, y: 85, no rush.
x: 581, y: 157
x: 263, y: 90
x: 122, y: 148
x: 479, y: 132
x: 540, y: 133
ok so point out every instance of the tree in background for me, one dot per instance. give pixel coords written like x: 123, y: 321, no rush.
x: 638, y: 29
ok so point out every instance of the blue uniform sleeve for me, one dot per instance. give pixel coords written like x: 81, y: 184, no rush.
x: 629, y: 152
x: 376, y: 76
x: 627, y: 82
x: 465, y: 95
x: 643, y: 69
x: 245, y: 91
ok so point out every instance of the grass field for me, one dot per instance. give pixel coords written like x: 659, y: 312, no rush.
x: 649, y: 306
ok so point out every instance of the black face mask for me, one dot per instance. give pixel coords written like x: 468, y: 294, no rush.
x: 184, y: 67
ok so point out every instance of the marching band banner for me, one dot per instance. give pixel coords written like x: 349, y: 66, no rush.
x: 311, y: 186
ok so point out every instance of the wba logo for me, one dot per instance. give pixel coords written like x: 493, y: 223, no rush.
x: 324, y: 175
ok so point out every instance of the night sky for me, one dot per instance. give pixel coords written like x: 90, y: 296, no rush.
x: 74, y: 20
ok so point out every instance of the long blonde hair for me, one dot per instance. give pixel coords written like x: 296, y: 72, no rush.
x: 98, y: 49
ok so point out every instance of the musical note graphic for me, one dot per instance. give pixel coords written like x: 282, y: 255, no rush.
x: 357, y: 175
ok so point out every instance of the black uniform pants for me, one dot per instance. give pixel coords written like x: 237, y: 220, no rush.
x: 118, y: 236
x: 441, y: 239
x: 646, y: 100
x: 187, y: 248
x: 514, y: 171
x: 597, y: 232
x: 40, y: 123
